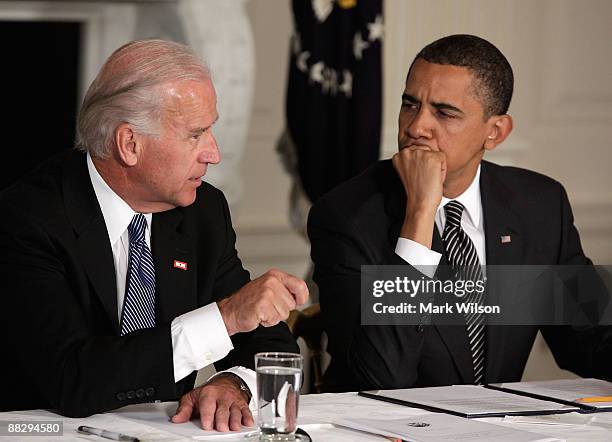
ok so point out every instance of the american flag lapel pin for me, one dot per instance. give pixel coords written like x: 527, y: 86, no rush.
x: 180, y: 265
x: 506, y: 239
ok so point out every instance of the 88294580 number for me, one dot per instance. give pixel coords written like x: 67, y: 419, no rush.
x: 35, y: 428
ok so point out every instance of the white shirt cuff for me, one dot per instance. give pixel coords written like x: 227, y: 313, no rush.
x: 249, y: 378
x: 199, y: 338
x: 417, y: 255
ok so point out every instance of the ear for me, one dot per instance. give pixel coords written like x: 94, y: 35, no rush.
x: 501, y: 126
x: 128, y: 144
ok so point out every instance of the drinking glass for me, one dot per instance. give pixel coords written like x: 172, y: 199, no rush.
x: 279, y: 377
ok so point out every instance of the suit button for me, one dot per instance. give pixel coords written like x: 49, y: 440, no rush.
x: 150, y: 391
x: 120, y: 396
x: 140, y: 393
x: 131, y: 394
x: 420, y: 328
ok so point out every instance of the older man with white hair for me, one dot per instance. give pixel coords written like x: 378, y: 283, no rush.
x: 119, y: 273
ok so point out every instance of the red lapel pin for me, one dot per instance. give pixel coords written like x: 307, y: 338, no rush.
x: 180, y: 265
x: 506, y: 239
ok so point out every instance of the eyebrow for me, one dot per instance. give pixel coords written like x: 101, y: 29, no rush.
x: 200, y: 130
x: 437, y: 105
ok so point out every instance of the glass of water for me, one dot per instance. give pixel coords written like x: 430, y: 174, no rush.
x: 279, y: 377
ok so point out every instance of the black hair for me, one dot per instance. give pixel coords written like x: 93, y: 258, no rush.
x: 493, y: 77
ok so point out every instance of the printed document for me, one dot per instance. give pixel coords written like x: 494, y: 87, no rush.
x: 442, y: 427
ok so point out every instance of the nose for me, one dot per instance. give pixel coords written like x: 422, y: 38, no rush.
x: 210, y: 154
x: 420, y: 125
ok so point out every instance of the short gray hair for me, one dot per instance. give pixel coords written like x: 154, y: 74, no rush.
x: 127, y: 90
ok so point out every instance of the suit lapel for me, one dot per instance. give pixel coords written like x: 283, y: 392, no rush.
x: 504, y: 246
x: 175, y: 287
x: 92, y: 240
x: 502, y: 221
x: 175, y: 266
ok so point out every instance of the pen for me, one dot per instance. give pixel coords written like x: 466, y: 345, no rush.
x: 107, y: 434
x: 595, y: 399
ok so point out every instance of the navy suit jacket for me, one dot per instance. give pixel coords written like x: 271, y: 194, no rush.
x: 60, y: 331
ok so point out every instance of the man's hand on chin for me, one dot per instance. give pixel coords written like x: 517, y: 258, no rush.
x: 220, y: 403
x: 422, y: 172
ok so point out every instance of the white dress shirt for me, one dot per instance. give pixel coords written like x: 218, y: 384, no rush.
x: 417, y: 254
x: 199, y: 337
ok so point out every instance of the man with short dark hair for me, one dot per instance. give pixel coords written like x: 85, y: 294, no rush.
x: 118, y: 268
x: 437, y: 203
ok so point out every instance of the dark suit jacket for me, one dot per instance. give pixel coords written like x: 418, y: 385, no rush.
x: 60, y: 332
x: 359, y: 222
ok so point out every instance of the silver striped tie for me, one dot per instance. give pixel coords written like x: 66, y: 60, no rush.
x: 462, y: 257
x: 139, y: 303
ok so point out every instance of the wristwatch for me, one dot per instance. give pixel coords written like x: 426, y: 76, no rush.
x: 241, y: 384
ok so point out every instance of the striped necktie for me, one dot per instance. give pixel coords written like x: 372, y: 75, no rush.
x: 462, y: 257
x: 139, y: 302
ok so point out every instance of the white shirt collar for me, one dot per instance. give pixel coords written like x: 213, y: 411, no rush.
x: 470, y: 200
x: 117, y: 213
